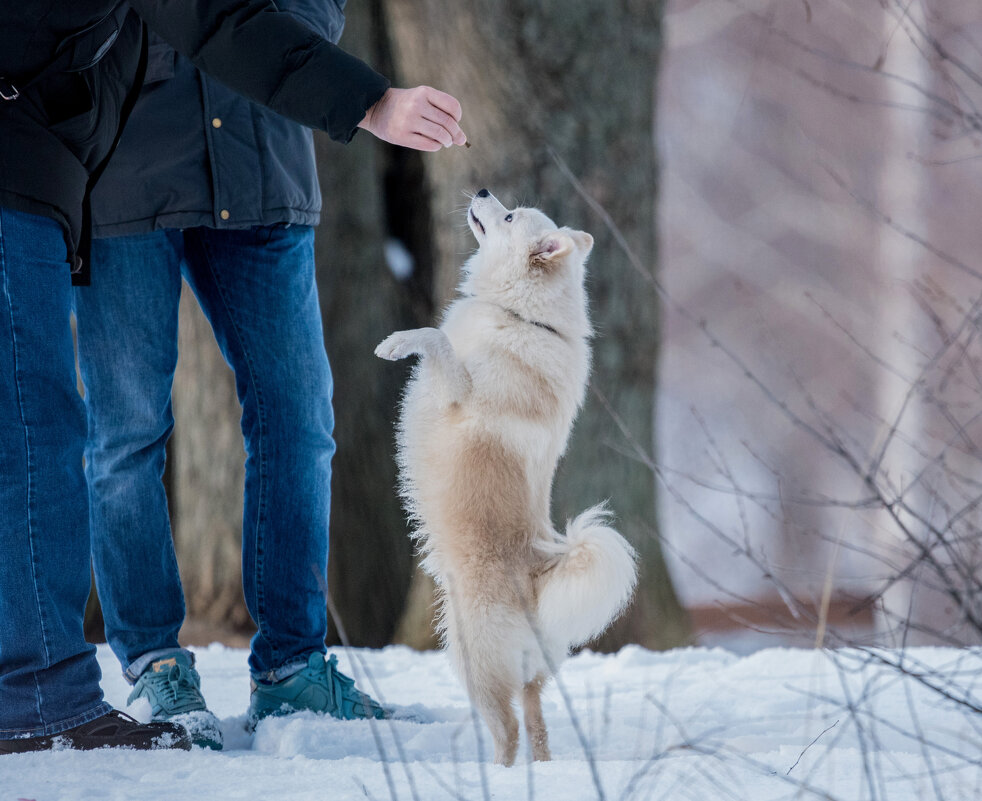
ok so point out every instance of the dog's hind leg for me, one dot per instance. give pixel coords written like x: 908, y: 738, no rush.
x: 495, y: 705
x: 535, y: 725
x: 452, y: 380
x: 492, y: 685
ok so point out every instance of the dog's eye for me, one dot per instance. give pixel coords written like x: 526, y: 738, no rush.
x: 509, y: 218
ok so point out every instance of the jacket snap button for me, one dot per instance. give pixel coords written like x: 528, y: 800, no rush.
x: 224, y: 214
x: 216, y: 123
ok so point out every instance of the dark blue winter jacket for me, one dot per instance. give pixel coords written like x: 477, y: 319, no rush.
x: 195, y: 153
x: 65, y: 80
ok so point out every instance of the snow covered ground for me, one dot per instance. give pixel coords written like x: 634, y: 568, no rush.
x: 688, y: 724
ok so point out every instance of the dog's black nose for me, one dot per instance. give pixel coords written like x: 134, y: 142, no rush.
x: 483, y: 193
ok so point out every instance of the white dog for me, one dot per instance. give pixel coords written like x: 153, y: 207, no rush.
x: 485, y: 418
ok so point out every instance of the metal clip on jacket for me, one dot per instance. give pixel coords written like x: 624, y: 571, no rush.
x: 7, y: 90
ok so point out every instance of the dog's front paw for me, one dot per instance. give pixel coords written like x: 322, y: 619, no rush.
x: 398, y: 346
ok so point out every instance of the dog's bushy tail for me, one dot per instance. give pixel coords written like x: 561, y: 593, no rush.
x: 591, y: 582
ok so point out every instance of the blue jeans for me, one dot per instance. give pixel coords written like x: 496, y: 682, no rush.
x: 49, y: 677
x: 258, y: 291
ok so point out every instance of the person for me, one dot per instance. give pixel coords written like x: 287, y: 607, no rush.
x: 67, y: 71
x: 206, y: 184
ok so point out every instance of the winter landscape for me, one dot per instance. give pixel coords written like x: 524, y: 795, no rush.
x: 786, y: 294
x: 690, y: 724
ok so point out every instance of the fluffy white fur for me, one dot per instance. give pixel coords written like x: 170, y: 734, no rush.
x: 485, y: 418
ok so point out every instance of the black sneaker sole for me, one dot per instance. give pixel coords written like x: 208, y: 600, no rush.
x: 113, y: 730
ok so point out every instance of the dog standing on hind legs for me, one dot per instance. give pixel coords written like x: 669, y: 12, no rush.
x: 485, y: 418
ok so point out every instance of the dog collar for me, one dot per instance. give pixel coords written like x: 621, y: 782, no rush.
x: 519, y: 317
x: 546, y: 326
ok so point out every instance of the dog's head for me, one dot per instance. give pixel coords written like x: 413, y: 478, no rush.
x: 516, y: 246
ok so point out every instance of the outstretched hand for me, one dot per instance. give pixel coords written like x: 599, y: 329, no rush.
x: 422, y: 118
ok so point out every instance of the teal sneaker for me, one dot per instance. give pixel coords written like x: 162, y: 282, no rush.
x: 173, y: 688
x: 319, y: 687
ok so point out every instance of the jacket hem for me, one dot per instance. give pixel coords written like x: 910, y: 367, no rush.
x: 202, y: 219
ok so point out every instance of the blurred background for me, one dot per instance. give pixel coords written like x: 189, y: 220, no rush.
x: 784, y: 408
x: 818, y: 391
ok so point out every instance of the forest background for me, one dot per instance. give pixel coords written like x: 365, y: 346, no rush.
x: 784, y: 408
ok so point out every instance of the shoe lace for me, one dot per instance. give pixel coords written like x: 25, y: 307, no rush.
x: 174, y: 691
x: 346, y: 697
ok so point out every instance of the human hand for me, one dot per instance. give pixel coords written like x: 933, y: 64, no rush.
x: 422, y: 118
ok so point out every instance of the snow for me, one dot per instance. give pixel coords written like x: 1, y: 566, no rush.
x: 398, y: 258
x: 686, y: 724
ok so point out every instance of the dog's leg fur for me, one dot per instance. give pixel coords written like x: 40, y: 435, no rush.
x: 495, y: 706
x: 535, y: 725
x: 492, y: 690
x: 452, y: 381
x: 492, y: 681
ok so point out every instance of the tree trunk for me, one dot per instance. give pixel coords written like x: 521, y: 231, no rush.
x: 932, y: 564
x: 531, y: 89
x: 545, y: 85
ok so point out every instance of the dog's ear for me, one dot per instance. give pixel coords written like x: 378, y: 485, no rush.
x: 555, y: 246
x: 551, y: 249
x: 583, y: 241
